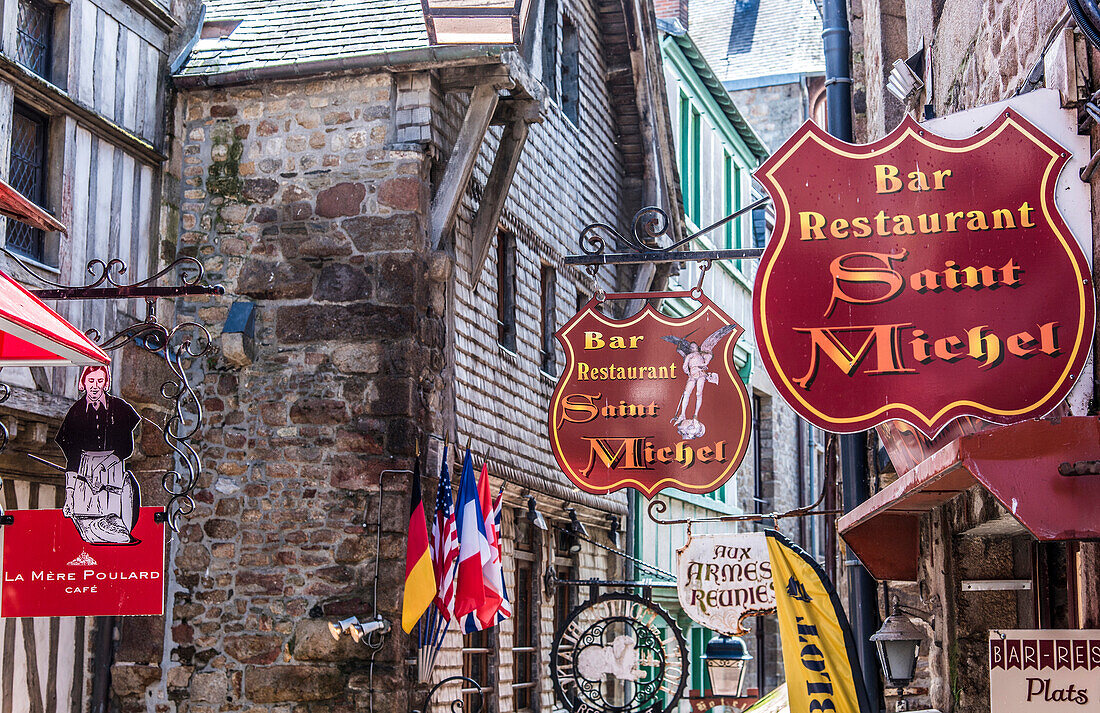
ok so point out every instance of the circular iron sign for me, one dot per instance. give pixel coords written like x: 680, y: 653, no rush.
x: 619, y: 654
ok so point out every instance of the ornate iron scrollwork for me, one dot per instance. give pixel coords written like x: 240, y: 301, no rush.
x: 456, y: 705
x: 180, y: 346
x: 649, y: 226
x: 619, y: 653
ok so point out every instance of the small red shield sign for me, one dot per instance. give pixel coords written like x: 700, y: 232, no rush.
x: 649, y: 402
x: 921, y: 278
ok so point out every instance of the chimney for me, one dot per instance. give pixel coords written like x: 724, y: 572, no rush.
x: 673, y: 10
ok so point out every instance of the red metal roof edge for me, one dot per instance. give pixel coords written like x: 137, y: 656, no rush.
x: 927, y: 471
x: 80, y: 342
x: 1008, y: 462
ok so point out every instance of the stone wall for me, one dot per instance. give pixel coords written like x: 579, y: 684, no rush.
x: 294, y: 200
x: 774, y: 112
x: 981, y: 52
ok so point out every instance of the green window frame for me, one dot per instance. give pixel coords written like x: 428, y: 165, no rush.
x: 700, y: 637
x: 731, y: 201
x: 729, y: 230
x: 696, y: 177
x: 685, y: 153
x: 690, y: 139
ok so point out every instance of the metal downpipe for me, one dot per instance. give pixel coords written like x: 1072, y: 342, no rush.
x: 862, y: 590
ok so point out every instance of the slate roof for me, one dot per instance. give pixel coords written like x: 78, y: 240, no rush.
x: 717, y: 91
x: 745, y: 39
x: 282, y: 32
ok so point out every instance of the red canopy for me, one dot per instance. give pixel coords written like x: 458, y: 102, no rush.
x: 1017, y: 464
x: 32, y: 334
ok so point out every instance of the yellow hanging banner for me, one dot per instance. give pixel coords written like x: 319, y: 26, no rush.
x: 819, y: 654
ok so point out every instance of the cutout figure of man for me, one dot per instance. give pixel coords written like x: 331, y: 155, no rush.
x: 97, y: 436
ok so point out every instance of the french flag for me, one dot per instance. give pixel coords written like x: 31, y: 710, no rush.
x: 488, y: 614
x: 505, y: 610
x: 474, y: 553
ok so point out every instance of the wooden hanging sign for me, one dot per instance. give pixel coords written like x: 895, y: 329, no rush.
x: 649, y: 402
x: 921, y: 278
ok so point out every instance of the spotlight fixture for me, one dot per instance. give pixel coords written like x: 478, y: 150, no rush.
x: 568, y: 541
x: 534, y: 516
x: 343, y: 626
x: 575, y: 525
x: 356, y: 629
x: 907, y: 77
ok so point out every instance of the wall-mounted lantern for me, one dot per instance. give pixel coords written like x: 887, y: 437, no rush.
x: 898, y: 643
x: 726, y: 659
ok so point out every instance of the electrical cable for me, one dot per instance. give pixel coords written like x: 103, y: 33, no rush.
x: 1087, y: 15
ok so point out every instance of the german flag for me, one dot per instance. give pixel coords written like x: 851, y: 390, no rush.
x: 420, y: 586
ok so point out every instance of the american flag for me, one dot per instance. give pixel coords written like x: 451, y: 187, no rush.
x: 445, y: 543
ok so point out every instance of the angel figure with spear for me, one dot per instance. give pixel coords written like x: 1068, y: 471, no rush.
x: 697, y: 370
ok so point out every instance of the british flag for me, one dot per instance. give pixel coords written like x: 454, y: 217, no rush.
x: 445, y: 543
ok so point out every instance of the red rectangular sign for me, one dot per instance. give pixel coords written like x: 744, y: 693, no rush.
x: 48, y: 570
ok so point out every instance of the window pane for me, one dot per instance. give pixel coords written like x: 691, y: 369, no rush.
x: 28, y: 176
x: 549, y: 318
x: 34, y: 26
x: 506, y: 290
x: 476, y: 659
x: 550, y: 47
x: 525, y: 637
x: 570, y: 71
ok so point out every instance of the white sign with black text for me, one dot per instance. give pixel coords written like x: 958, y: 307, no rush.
x: 1036, y: 670
x: 721, y: 579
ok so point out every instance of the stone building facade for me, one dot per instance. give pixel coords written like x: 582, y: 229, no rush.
x: 981, y: 53
x: 323, y: 194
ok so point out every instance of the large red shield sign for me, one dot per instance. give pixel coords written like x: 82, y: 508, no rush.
x: 921, y: 278
x: 649, y: 402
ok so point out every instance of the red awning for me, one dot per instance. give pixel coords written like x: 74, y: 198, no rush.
x: 1017, y: 464
x: 32, y: 334
x: 14, y: 205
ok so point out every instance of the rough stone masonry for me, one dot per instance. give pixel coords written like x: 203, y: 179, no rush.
x: 292, y: 200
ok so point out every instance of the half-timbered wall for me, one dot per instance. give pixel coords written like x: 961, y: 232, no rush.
x: 54, y: 681
x: 102, y: 98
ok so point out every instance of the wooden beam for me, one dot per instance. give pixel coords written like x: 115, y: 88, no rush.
x: 460, y: 164
x: 495, y: 193
x: 513, y: 110
x: 466, y: 78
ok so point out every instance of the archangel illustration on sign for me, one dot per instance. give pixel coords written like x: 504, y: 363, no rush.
x: 697, y: 371
x: 102, y: 498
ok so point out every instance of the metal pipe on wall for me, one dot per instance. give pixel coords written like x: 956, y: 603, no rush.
x: 862, y: 599
x: 103, y: 656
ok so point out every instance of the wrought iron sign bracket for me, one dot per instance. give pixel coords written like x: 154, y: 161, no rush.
x: 594, y: 585
x: 657, y: 507
x: 456, y: 705
x: 648, y: 226
x: 180, y: 346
